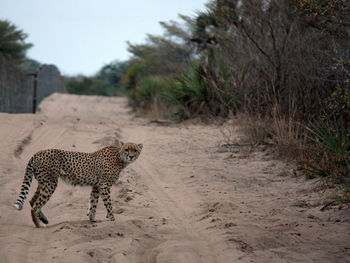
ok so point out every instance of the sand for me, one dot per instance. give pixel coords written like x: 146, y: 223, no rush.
x: 188, y: 198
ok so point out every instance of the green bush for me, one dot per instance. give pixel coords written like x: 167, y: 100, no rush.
x: 82, y: 85
x: 330, y: 150
x: 188, y: 93
x: 147, y: 92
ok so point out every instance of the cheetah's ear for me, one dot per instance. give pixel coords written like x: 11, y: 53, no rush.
x: 120, y: 143
x: 140, y: 146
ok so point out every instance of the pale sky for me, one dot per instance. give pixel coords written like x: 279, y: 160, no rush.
x: 80, y: 36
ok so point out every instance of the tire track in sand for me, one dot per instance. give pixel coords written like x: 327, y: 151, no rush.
x: 188, y: 244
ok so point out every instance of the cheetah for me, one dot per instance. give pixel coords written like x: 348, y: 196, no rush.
x: 99, y: 169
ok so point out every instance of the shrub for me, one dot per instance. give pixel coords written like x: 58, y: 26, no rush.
x: 188, y: 93
x: 147, y: 93
x: 83, y: 85
x: 330, y: 150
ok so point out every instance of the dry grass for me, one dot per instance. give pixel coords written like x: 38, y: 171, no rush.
x: 292, y: 141
x: 245, y: 129
x: 289, y: 139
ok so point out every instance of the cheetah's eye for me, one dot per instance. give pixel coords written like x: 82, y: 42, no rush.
x: 126, y: 150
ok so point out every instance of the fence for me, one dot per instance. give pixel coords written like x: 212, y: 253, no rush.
x: 21, y: 92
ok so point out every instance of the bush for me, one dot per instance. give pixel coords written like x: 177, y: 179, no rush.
x: 330, y: 150
x: 188, y: 93
x: 82, y: 85
x: 204, y: 89
x: 147, y: 93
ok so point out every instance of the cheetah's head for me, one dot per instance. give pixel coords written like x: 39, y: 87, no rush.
x: 129, y: 151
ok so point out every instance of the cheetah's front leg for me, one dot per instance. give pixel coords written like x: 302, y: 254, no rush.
x: 105, y: 192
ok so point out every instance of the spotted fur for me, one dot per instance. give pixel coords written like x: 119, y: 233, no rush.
x: 99, y: 169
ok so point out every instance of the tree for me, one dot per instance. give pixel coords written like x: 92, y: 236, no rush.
x: 107, y: 81
x: 285, y: 55
x: 166, y: 55
x: 12, y: 42
x: 83, y: 85
x: 112, y: 73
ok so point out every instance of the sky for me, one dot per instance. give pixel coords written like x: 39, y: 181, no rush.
x: 80, y: 36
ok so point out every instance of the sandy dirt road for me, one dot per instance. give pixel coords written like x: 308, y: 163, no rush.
x: 188, y: 198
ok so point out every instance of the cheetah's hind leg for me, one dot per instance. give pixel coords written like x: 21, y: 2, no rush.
x: 41, y: 215
x: 40, y: 198
x: 38, y: 214
x: 43, y: 218
x: 95, y: 193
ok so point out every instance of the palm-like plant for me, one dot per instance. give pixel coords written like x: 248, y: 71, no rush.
x: 12, y: 42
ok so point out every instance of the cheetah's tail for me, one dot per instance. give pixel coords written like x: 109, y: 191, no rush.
x: 25, y: 186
